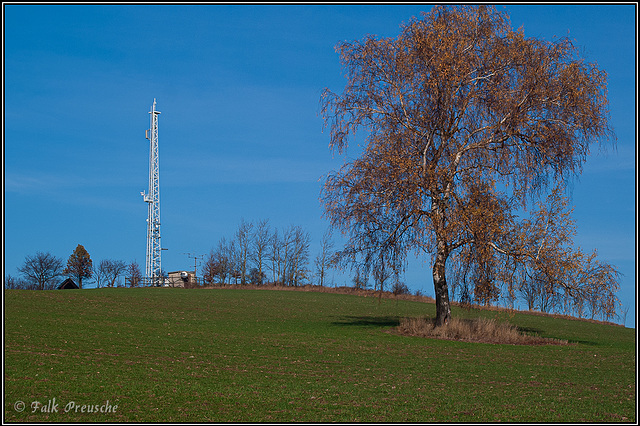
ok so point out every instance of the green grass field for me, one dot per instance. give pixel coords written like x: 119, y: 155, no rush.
x: 228, y: 355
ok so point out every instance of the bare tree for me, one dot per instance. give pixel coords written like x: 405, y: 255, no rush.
x: 133, y: 274
x: 274, y: 256
x: 109, y: 271
x: 210, y: 268
x: 99, y: 275
x: 13, y: 283
x: 260, y: 243
x: 529, y: 291
x: 231, y: 252
x: 218, y: 257
x: 324, y: 260
x: 298, y: 271
x: 256, y: 277
x: 42, y: 270
x: 623, y: 315
x: 458, y: 99
x: 361, y: 277
x: 221, y: 262
x: 285, y: 255
x: 288, y: 256
x: 243, y: 239
x: 399, y: 287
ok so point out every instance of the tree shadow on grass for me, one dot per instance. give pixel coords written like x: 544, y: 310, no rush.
x: 536, y: 332
x: 367, y: 321
x: 583, y: 342
x: 528, y: 330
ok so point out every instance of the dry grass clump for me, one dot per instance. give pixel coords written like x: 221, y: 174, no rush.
x: 472, y: 330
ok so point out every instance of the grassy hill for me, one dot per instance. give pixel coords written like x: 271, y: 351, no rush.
x: 229, y: 355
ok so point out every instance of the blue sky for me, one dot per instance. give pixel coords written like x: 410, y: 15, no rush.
x: 239, y: 134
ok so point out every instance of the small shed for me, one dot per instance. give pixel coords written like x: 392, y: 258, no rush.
x: 68, y: 284
x: 180, y: 279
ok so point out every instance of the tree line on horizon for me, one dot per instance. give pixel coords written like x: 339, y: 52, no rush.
x: 258, y: 255
x: 45, y: 271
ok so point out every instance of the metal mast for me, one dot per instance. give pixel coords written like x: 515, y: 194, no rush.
x: 153, y: 268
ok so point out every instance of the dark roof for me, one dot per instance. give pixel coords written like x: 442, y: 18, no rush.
x: 68, y: 284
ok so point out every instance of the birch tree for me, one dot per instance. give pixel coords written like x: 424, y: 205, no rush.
x: 465, y: 121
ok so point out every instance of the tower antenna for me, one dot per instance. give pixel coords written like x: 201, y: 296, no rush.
x: 153, y: 271
x: 195, y: 258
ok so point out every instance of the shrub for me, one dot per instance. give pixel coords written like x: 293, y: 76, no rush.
x: 472, y: 330
x: 400, y: 288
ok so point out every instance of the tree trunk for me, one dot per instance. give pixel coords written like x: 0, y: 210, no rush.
x: 443, y: 309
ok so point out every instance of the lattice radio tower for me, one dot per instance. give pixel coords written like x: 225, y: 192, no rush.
x: 153, y: 271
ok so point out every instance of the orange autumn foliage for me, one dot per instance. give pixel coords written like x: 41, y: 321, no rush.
x: 467, y: 120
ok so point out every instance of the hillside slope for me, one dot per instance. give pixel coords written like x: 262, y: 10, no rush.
x: 220, y: 355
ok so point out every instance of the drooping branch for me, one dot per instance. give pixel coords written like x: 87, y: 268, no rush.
x: 466, y: 119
